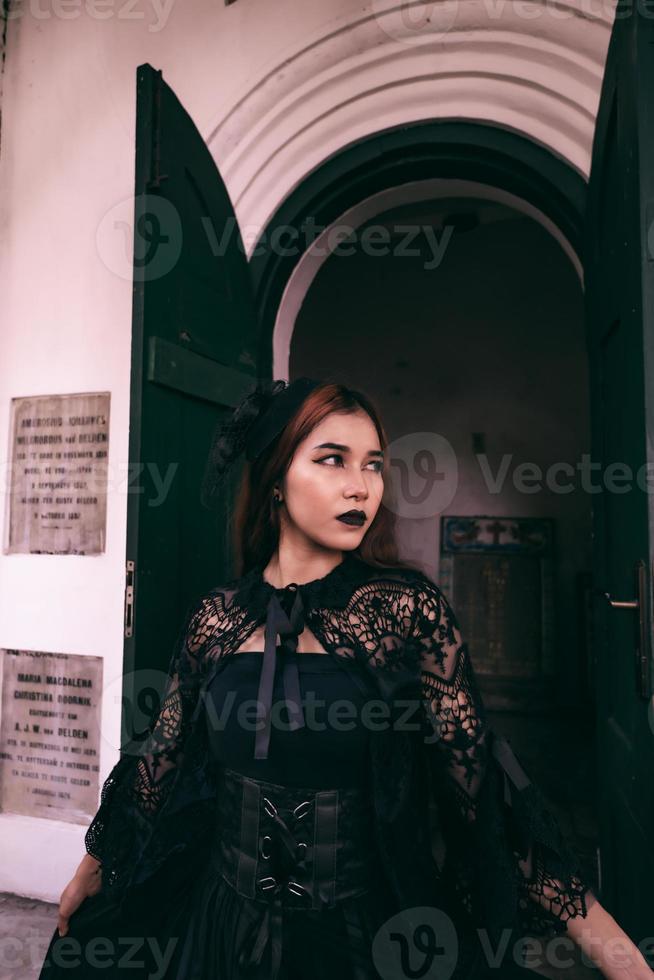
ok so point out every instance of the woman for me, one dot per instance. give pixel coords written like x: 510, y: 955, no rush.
x: 234, y: 845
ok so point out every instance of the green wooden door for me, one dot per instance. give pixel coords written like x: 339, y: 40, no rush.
x: 619, y: 278
x: 194, y: 336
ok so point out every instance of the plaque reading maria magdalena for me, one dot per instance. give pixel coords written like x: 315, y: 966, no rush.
x: 50, y: 735
x: 57, y: 493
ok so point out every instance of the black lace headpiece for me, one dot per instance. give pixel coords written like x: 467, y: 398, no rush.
x: 251, y: 428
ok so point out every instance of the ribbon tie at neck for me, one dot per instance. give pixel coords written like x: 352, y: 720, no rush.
x: 288, y: 625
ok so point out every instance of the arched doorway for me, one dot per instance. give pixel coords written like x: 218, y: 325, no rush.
x: 508, y: 165
x: 228, y: 343
x: 476, y: 376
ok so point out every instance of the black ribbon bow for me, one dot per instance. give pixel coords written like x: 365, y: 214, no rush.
x: 285, y: 618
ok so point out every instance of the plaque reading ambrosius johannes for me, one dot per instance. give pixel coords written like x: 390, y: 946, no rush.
x: 49, y: 734
x: 57, y: 497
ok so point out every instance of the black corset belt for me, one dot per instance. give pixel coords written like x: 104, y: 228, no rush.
x: 291, y: 847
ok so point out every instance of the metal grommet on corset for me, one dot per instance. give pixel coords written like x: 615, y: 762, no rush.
x: 270, y: 808
x: 292, y: 847
x: 302, y: 809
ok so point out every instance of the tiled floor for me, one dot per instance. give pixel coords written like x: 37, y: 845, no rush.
x: 558, y: 754
x: 26, y: 926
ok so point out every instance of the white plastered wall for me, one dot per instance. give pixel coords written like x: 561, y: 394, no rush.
x: 275, y: 88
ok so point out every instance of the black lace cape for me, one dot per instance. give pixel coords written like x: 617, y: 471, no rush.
x: 506, y: 862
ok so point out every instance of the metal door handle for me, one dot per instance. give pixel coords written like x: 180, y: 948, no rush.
x: 619, y: 603
x: 644, y: 669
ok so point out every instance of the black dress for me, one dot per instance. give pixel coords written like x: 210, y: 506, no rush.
x: 212, y: 931
x: 242, y: 854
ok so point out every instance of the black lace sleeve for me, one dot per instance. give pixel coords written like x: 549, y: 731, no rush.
x: 505, y: 854
x: 137, y: 788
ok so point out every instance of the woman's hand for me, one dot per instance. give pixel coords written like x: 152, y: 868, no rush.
x: 87, y: 881
x: 608, y: 946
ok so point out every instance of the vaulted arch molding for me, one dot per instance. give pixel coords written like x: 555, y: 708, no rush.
x: 534, y: 68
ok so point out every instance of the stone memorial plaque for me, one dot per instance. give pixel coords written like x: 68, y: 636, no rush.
x: 50, y: 734
x: 57, y: 492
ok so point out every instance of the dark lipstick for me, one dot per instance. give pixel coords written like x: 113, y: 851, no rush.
x: 354, y: 517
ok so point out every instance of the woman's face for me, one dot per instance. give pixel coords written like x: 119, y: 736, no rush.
x: 335, y: 469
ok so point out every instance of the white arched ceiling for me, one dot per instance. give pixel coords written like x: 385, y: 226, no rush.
x: 534, y: 67
x: 415, y: 191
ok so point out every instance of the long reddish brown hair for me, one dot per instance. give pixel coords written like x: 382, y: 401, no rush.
x: 256, y: 524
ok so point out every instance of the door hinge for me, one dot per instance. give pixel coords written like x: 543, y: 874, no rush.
x: 129, y: 598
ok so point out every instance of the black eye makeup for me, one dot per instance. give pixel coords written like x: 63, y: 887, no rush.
x: 377, y: 463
